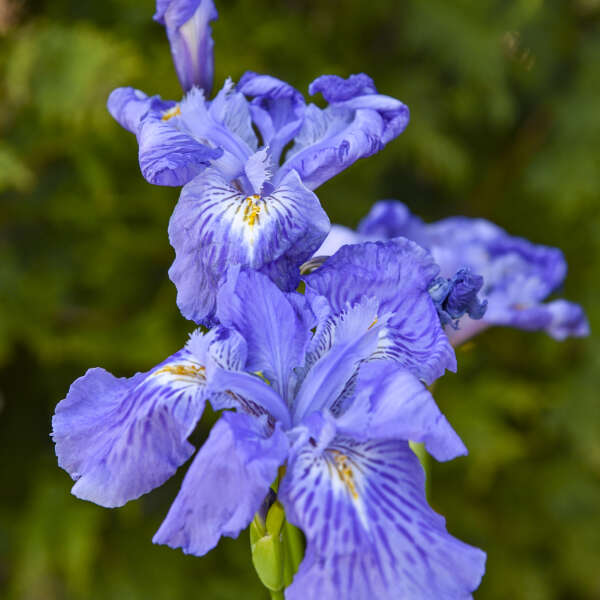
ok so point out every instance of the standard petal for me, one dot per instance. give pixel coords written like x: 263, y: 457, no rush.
x: 389, y: 219
x: 129, y: 106
x: 274, y: 328
x: 214, y: 226
x: 397, y: 273
x: 358, y: 123
x: 389, y: 402
x: 370, y: 532
x: 277, y: 109
x: 169, y: 156
x: 190, y: 36
x: 120, y: 438
x: 225, y: 485
x: 341, y: 342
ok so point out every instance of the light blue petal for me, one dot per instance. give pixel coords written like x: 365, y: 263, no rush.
x: 340, y: 343
x: 129, y: 106
x: 370, y: 532
x: 397, y: 273
x: 277, y: 109
x: 190, y: 36
x: 389, y: 402
x: 215, y: 226
x: 389, y: 219
x: 120, y: 438
x: 338, y: 236
x: 225, y: 485
x: 169, y: 156
x: 275, y: 330
x: 358, y: 123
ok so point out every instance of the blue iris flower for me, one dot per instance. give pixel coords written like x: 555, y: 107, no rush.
x: 326, y: 384
x: 249, y: 159
x: 517, y: 274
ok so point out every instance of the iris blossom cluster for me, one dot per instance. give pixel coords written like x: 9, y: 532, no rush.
x: 320, y: 391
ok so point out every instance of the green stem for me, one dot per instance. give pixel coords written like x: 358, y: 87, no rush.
x: 295, y: 541
x: 277, y: 595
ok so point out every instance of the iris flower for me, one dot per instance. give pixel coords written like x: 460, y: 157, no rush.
x: 249, y: 159
x: 324, y: 387
x: 517, y: 274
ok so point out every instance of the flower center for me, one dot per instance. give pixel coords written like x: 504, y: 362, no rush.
x: 252, y: 210
x: 175, y: 111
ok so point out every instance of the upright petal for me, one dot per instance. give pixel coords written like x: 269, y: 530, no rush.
x: 225, y: 485
x: 358, y: 123
x: 215, y: 226
x: 190, y: 35
x: 277, y: 109
x: 389, y: 219
x: 398, y: 274
x: 273, y: 328
x: 341, y: 342
x: 370, y: 532
x: 120, y: 438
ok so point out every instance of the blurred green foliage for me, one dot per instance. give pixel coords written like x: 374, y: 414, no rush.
x: 505, y: 125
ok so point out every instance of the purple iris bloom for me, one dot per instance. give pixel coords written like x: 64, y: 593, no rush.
x: 320, y: 384
x: 517, y: 275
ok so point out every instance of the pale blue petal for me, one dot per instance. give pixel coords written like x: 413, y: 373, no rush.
x: 388, y: 402
x: 277, y: 109
x: 129, y: 106
x: 215, y: 226
x: 398, y: 274
x: 169, y: 156
x: 120, y: 438
x: 274, y: 328
x: 225, y: 485
x: 370, y: 532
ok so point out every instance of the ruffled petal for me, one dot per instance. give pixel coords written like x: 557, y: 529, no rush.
x: 274, y: 329
x: 120, y: 438
x: 370, y: 532
x: 338, y: 236
x: 169, y: 156
x: 214, y: 226
x: 388, y: 402
x: 129, y: 106
x: 277, y: 109
x: 225, y: 485
x: 190, y: 36
x: 358, y: 123
x: 397, y: 273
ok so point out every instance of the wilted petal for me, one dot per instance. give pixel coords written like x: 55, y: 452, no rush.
x: 370, y: 532
x: 190, y: 35
x: 120, y: 438
x: 215, y: 226
x: 225, y: 485
x: 397, y: 273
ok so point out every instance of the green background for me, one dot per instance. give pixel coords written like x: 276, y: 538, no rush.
x: 504, y: 98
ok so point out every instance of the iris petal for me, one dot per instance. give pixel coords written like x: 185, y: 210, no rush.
x: 225, y: 485
x: 398, y: 274
x: 120, y: 438
x: 370, y: 532
x: 215, y: 226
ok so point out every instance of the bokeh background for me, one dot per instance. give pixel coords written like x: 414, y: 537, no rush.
x: 505, y: 103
